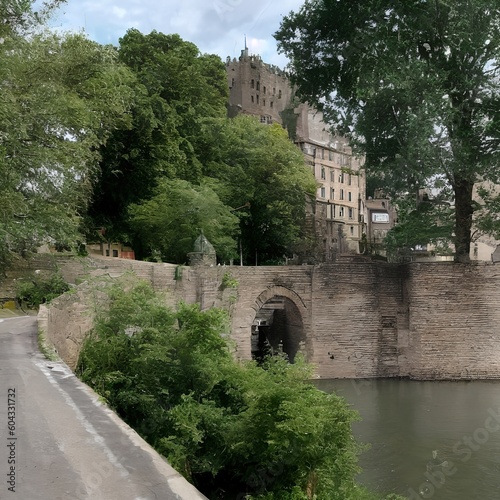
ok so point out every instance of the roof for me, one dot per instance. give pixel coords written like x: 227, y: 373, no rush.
x: 202, y: 245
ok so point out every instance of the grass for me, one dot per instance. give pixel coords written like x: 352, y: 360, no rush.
x: 10, y: 313
x: 47, y: 350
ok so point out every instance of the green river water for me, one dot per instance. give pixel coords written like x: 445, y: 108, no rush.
x: 405, y: 421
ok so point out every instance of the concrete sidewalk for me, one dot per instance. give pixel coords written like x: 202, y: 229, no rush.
x: 61, y: 442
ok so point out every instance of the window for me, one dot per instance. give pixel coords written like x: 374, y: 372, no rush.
x: 271, y: 104
x: 341, y: 212
x: 341, y: 178
x: 257, y: 96
x: 333, y: 211
x: 263, y: 102
x: 329, y: 209
x: 252, y: 98
x: 341, y: 194
x: 323, y: 192
x: 349, y: 180
x: 349, y: 196
x: 258, y: 85
x: 351, y: 230
x: 252, y: 84
x: 332, y: 175
x: 279, y: 94
x: 330, y: 155
x: 351, y: 213
x: 323, y: 173
x: 232, y: 82
x: 107, y: 253
x: 332, y: 194
x: 264, y: 89
x: 115, y: 253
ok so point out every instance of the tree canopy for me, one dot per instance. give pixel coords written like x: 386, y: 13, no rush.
x: 180, y: 132
x: 61, y: 97
x: 262, y: 175
x: 167, y: 224
x: 415, y: 85
x: 176, y: 89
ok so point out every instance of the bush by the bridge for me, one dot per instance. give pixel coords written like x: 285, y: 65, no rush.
x: 39, y: 289
x: 232, y: 428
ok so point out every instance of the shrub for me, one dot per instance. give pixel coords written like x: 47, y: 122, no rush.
x: 39, y: 290
x: 234, y: 429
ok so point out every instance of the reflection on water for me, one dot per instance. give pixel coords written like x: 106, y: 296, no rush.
x: 405, y: 421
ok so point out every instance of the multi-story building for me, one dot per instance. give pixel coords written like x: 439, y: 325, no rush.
x: 341, y: 182
x: 381, y: 217
x: 265, y: 91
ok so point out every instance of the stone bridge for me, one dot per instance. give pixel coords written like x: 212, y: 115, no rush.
x: 354, y: 318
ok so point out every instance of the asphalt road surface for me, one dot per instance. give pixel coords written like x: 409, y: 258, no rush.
x: 58, y: 442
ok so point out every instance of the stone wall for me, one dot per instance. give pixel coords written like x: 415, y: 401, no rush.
x: 352, y: 303
x: 454, y: 321
x: 67, y: 321
x: 70, y: 317
x: 360, y: 318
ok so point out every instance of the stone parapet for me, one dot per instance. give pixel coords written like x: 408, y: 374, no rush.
x: 359, y: 318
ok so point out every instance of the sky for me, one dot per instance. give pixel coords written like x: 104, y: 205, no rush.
x: 215, y: 26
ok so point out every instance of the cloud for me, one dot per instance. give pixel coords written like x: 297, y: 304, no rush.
x: 215, y: 26
x: 118, y: 12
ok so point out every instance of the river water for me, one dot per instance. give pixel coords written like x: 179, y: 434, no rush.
x: 405, y: 421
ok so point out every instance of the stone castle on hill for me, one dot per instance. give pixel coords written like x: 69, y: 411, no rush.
x: 342, y: 219
x: 337, y: 217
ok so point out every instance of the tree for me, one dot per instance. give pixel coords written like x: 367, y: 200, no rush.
x: 18, y: 16
x: 414, y: 83
x: 430, y: 223
x: 259, y: 172
x: 177, y: 88
x: 168, y: 223
x: 61, y: 97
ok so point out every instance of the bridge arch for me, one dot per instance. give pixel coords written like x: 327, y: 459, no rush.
x: 279, y: 323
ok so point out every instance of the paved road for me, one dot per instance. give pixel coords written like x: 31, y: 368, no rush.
x: 61, y: 442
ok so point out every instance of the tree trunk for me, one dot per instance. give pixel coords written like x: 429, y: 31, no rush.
x: 312, y: 485
x: 463, y: 218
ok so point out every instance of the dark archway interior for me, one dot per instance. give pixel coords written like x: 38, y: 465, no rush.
x: 277, y: 328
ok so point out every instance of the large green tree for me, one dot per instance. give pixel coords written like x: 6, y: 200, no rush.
x: 415, y: 84
x: 262, y: 175
x: 252, y: 173
x: 166, y: 225
x: 177, y: 89
x: 61, y: 97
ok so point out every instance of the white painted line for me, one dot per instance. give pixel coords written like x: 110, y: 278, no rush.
x: 86, y: 424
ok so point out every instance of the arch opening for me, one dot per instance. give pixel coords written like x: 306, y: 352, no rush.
x: 277, y: 328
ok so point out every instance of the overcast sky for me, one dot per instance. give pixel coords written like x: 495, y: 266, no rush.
x: 215, y: 26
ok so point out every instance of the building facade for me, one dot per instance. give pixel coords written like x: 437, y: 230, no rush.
x: 257, y: 88
x: 265, y: 91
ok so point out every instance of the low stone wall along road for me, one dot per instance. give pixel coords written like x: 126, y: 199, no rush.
x: 60, y: 443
